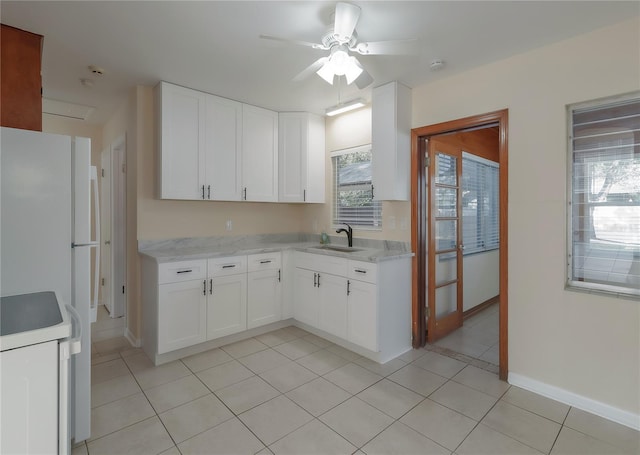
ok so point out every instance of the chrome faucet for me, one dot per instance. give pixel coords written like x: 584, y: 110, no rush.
x: 349, y: 233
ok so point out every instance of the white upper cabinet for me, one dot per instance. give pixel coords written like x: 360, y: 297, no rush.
x: 223, y: 157
x: 181, y: 141
x: 259, y: 154
x: 301, y: 157
x: 391, y: 141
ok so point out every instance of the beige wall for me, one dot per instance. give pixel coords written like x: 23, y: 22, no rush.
x: 585, y: 344
x: 344, y: 131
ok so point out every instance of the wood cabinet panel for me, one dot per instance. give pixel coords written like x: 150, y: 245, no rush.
x: 20, y: 80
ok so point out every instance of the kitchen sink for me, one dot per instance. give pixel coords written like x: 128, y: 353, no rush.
x: 342, y: 249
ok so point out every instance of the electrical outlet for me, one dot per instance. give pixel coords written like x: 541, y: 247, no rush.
x: 229, y: 225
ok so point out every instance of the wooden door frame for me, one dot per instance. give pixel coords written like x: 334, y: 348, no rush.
x: 418, y: 226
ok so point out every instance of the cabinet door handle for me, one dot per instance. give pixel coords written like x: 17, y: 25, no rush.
x: 204, y: 290
x: 266, y: 262
x: 279, y: 275
x: 360, y: 271
x: 208, y: 191
x: 304, y: 195
x: 348, y: 287
x: 318, y: 280
x: 185, y: 271
x: 230, y: 266
x: 211, y: 286
x: 371, y: 191
x: 315, y: 280
x: 202, y: 191
x: 245, y: 193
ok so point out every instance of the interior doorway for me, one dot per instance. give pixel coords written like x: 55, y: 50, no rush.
x: 440, y: 209
x: 114, y: 192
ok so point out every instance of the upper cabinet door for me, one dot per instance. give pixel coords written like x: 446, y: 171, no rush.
x: 181, y: 140
x: 259, y: 154
x: 391, y: 141
x: 223, y: 145
x: 301, y: 157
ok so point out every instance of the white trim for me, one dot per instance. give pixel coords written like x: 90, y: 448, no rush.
x: 606, y: 411
x: 135, y: 342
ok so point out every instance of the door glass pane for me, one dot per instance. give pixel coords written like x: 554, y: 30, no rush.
x: 446, y: 202
x: 446, y: 267
x: 446, y: 234
x: 446, y: 300
x: 446, y: 169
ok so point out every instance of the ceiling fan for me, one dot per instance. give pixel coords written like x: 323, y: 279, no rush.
x: 340, y: 40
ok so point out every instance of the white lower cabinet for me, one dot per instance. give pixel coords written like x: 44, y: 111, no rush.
x: 306, y: 296
x: 364, y: 306
x: 265, y: 297
x: 333, y: 305
x: 227, y: 305
x: 182, y: 311
x: 362, y: 315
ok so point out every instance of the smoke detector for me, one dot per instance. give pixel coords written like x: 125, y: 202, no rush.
x: 436, y: 64
x: 96, y: 70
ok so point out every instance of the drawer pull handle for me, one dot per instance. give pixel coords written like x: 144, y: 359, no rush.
x: 204, y: 287
x: 315, y: 280
x: 211, y: 286
x: 360, y: 271
x: 228, y: 266
x: 348, y: 287
x: 266, y: 262
x: 279, y: 277
x: 185, y: 271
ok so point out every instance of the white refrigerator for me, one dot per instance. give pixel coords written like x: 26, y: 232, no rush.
x: 47, y: 189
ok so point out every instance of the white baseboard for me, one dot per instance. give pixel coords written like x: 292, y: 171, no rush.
x: 606, y: 411
x: 135, y: 342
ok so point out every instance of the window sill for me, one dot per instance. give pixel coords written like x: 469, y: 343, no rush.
x: 604, y: 290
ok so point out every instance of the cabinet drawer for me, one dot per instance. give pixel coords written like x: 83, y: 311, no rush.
x: 227, y: 266
x: 264, y: 261
x: 322, y: 263
x: 175, y: 272
x: 363, y: 271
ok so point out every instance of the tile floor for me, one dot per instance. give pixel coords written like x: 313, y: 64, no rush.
x: 290, y: 392
x: 105, y: 327
x: 478, y: 337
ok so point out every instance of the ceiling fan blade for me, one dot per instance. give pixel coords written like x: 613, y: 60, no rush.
x: 309, y: 70
x: 298, y: 42
x: 395, y: 47
x: 347, y: 16
x: 365, y: 79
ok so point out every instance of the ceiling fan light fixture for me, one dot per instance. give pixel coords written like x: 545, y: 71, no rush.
x: 353, y: 70
x: 327, y: 72
x: 344, y: 107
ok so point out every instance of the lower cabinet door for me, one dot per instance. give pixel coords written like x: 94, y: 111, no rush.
x: 181, y: 315
x: 362, y: 315
x: 305, y: 296
x: 226, y: 305
x: 264, y: 301
x: 333, y: 305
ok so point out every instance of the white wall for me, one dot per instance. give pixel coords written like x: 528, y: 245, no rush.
x: 585, y: 344
x: 480, y: 278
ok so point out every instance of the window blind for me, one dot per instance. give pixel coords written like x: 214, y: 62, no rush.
x: 352, y: 190
x: 480, y: 204
x: 604, y: 214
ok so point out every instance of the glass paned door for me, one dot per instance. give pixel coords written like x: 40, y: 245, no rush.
x: 445, y: 242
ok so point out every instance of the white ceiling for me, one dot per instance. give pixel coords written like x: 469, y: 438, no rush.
x: 215, y: 46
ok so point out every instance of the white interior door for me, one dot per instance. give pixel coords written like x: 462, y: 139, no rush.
x: 118, y: 227
x: 105, y: 228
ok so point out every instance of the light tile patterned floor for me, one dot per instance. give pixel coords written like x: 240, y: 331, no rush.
x: 477, y: 338
x: 290, y: 392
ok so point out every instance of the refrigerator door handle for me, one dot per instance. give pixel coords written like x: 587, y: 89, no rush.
x: 96, y: 211
x: 75, y: 342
